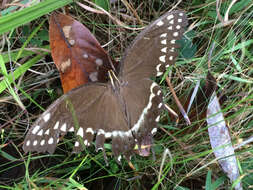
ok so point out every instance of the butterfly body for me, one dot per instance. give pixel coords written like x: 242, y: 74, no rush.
x: 126, y: 109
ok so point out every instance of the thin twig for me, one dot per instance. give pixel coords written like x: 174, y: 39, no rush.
x: 178, y: 102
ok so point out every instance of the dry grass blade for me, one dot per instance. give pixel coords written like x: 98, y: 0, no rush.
x: 102, y: 11
x: 221, y: 141
x: 180, y: 107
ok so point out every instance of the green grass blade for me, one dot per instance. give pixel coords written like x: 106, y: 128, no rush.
x: 14, y: 20
x: 20, y: 70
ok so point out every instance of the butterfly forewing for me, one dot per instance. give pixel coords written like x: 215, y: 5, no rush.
x: 77, y: 54
x: 154, y: 49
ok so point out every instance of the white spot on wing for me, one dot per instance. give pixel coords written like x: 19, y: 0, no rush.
x: 40, y: 133
x: 72, y: 42
x: 47, y: 132
x: 89, y: 130
x: 119, y: 158
x: 99, y: 62
x: 172, y: 49
x: 154, y: 131
x: 71, y: 129
x: 173, y: 41
x: 162, y: 58
x: 160, y: 105
x: 35, y: 130
x: 28, y: 143
x: 171, y: 22
x: 115, y: 133
x: 101, y: 132
x: 158, y: 118
x: 159, y: 74
x: 164, y: 50
x: 42, y: 142
x: 170, y: 28
x: 159, y: 92
x: 85, y: 142
x: 64, y: 127
x: 178, y: 27
x: 164, y: 42
x: 175, y: 34
x: 35, y: 143
x: 93, y: 76
x: 160, y: 23
x: 181, y: 14
x: 56, y: 126
x: 47, y: 117
x: 179, y: 20
x: 51, y: 140
x: 158, y: 67
x: 171, y: 58
x: 80, y: 132
x: 170, y: 17
x: 85, y: 56
x: 76, y: 143
x: 64, y: 65
x: 66, y: 31
x: 163, y: 35
x: 108, y: 135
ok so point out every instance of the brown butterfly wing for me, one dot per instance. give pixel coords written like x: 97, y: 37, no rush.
x: 154, y: 49
x: 77, y: 54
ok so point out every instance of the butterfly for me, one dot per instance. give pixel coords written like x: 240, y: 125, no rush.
x: 126, y: 109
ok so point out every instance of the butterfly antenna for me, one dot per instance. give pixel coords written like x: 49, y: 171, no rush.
x: 111, y: 78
